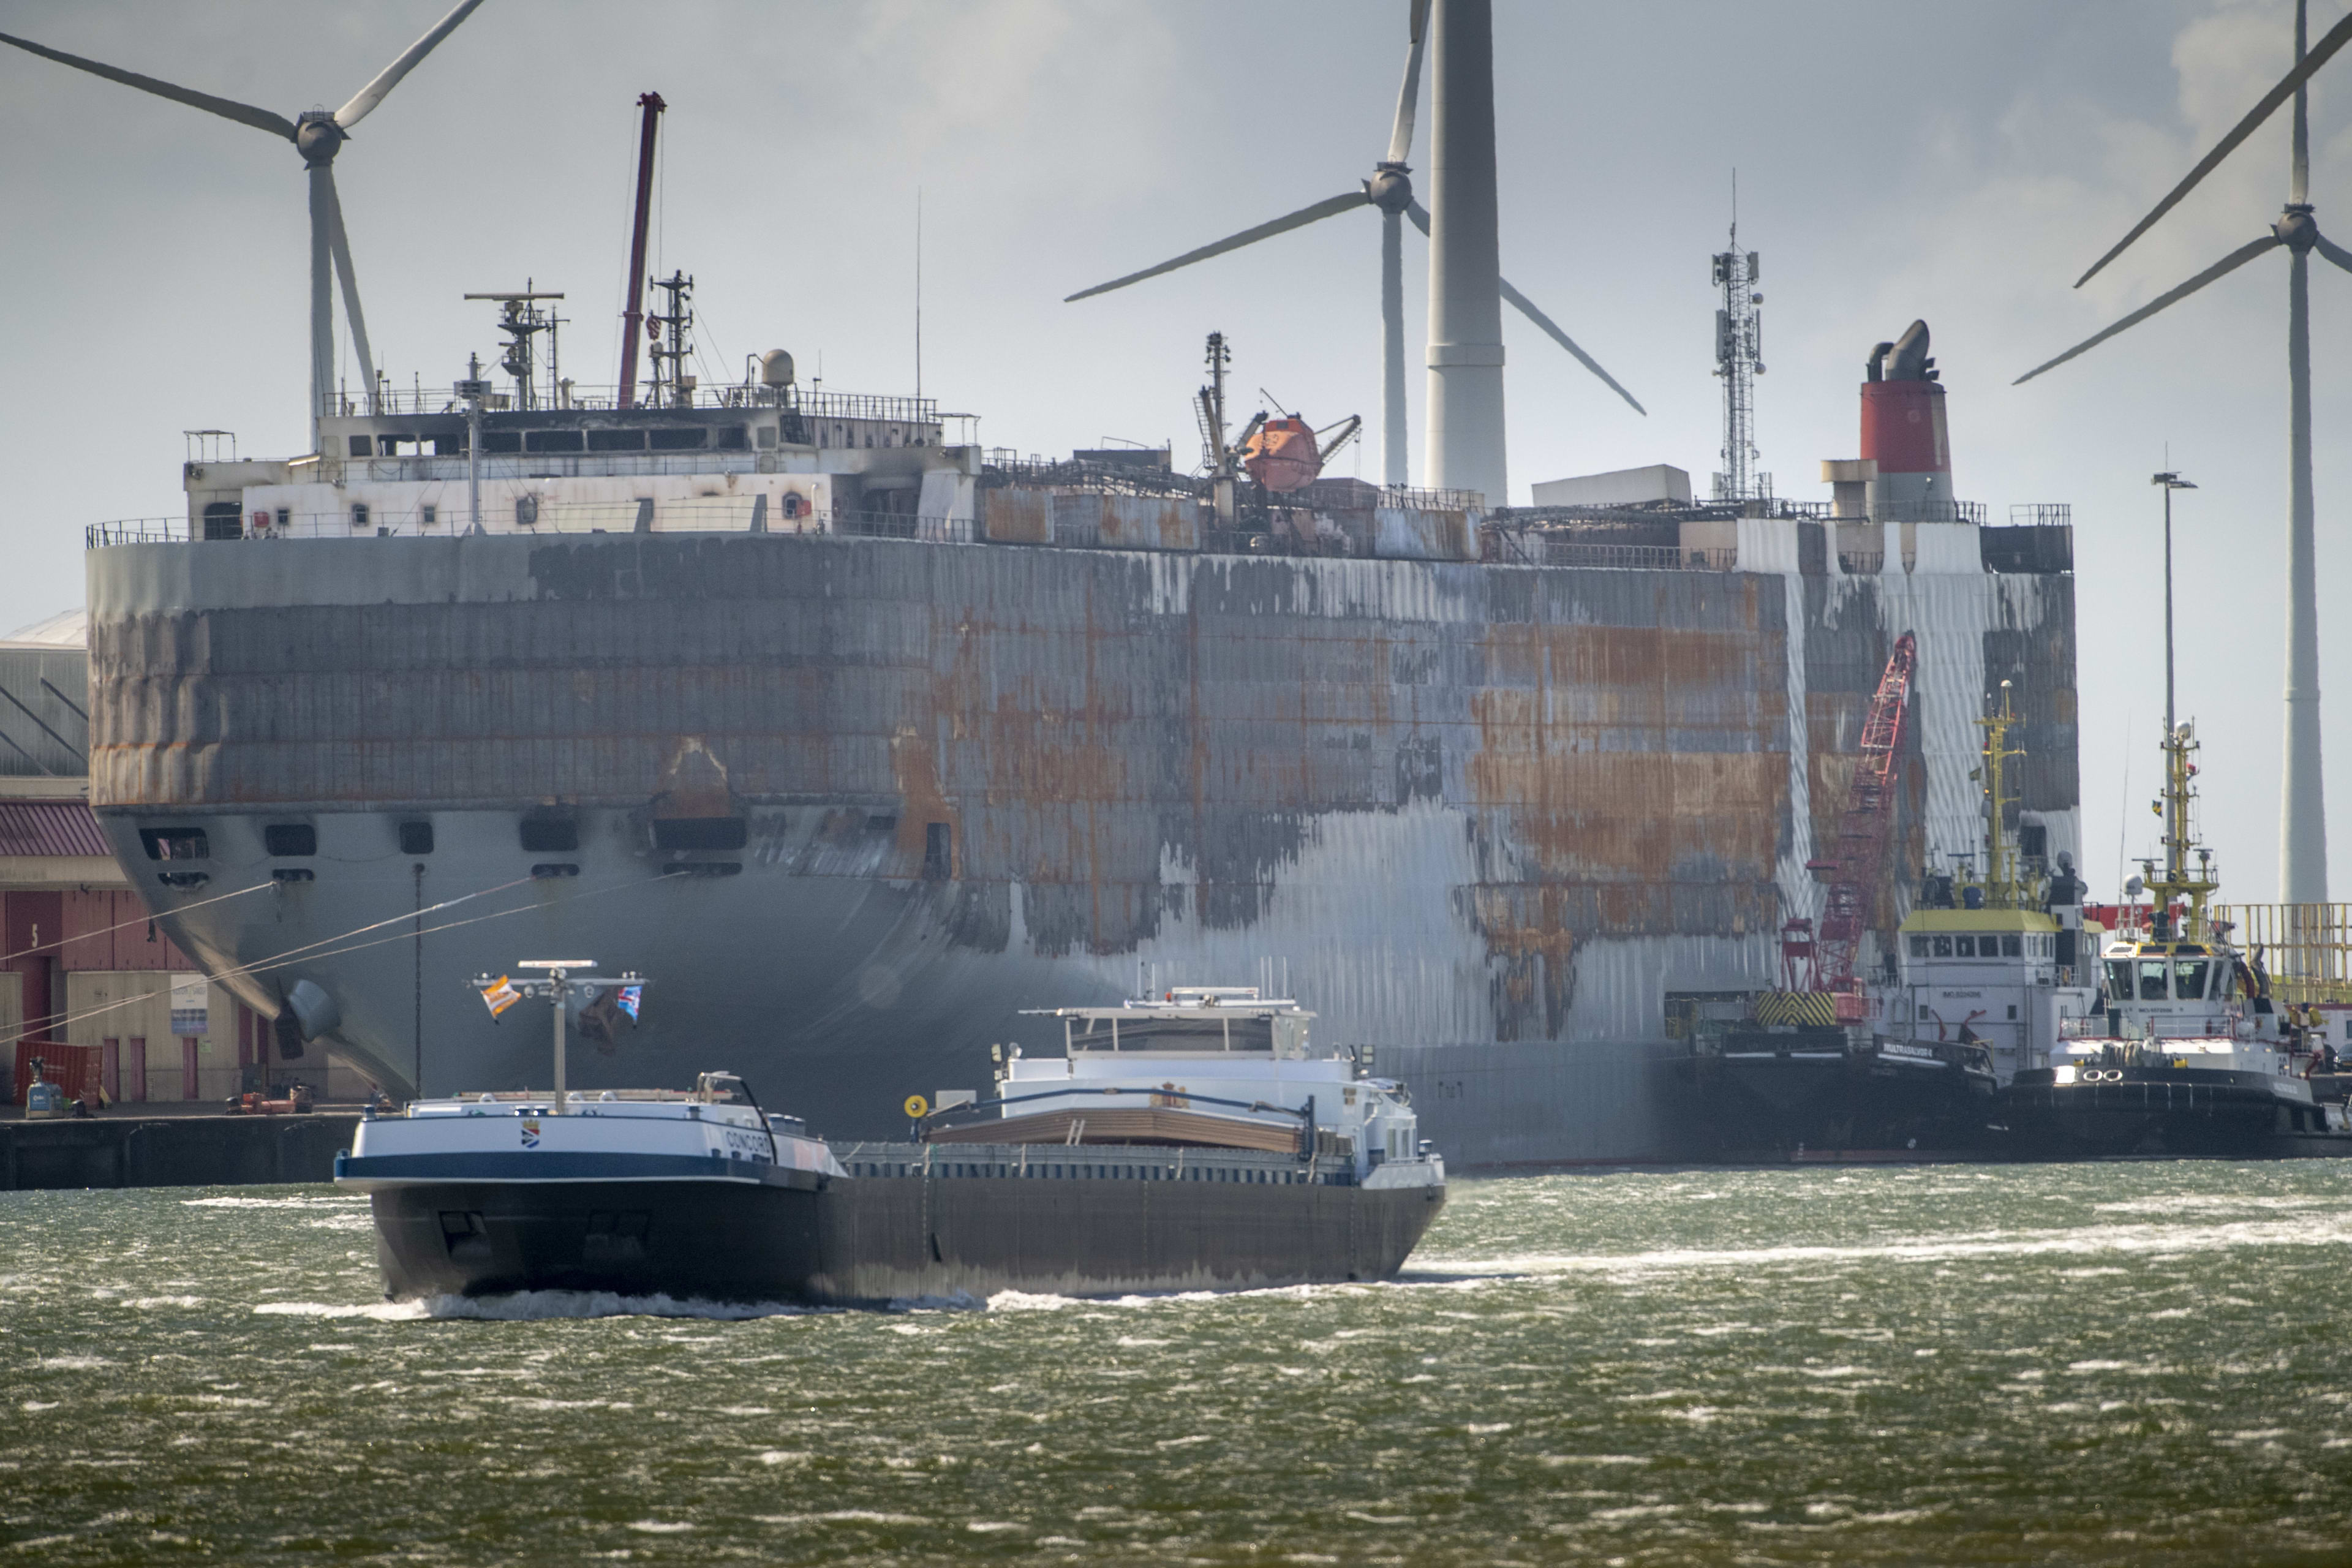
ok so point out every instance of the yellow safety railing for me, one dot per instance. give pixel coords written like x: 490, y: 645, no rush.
x: 2306, y: 948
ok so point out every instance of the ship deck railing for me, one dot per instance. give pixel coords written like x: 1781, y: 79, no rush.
x: 456, y: 468
x: 697, y: 514
x: 410, y: 402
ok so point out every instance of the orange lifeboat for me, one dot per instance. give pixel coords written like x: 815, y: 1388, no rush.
x: 1283, y: 455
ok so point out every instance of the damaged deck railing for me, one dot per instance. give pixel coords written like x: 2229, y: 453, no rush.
x: 698, y: 514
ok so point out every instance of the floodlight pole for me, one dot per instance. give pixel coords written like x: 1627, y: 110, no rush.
x: 2171, y: 482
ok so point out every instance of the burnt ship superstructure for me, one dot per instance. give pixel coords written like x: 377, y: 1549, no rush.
x: 807, y: 689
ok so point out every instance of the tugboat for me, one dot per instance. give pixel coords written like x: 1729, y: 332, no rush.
x: 1979, y: 986
x: 1191, y: 1142
x: 1989, y: 974
x: 2189, y: 1054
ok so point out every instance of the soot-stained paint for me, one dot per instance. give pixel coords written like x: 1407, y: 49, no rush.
x: 1085, y: 754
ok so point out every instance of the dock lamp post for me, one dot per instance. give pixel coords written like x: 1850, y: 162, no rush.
x: 2171, y: 482
x: 562, y: 982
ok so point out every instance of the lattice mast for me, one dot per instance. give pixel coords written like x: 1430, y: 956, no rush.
x: 1858, y: 861
x: 1738, y: 361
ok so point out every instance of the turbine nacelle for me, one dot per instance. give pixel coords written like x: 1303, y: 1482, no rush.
x: 318, y: 138
x: 317, y: 134
x: 2296, y: 229
x: 1389, y: 192
x: 1390, y: 188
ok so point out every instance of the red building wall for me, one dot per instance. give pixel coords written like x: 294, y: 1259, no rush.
x: 110, y: 929
x: 31, y: 925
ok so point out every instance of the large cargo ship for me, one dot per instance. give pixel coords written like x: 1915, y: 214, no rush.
x: 802, y: 686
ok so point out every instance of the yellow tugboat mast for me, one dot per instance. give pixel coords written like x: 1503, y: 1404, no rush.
x: 2177, y: 883
x: 2006, y: 884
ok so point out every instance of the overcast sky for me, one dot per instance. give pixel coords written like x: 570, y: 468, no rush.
x: 1961, y: 160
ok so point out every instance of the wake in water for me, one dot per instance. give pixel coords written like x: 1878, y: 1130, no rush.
x: 532, y: 1306
x: 2329, y: 1229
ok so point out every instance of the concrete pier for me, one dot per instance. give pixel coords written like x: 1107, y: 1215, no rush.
x: 172, y: 1151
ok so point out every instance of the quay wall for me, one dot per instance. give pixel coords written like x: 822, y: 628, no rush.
x: 112, y: 1150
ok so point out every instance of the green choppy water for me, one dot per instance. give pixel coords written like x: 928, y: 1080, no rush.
x: 2142, y: 1363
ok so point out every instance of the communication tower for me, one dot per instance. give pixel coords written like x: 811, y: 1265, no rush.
x: 1740, y: 359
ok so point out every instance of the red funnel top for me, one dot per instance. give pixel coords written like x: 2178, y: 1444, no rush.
x: 1903, y: 409
x: 1903, y: 427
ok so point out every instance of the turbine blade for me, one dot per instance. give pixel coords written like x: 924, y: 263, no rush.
x: 1298, y: 219
x: 2298, y: 181
x: 1409, y: 96
x: 342, y: 245
x: 1526, y: 307
x: 2334, y: 252
x: 2228, y: 264
x: 368, y: 97
x: 2336, y: 38
x: 227, y: 108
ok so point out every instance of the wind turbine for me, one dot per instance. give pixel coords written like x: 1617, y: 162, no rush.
x: 1389, y: 190
x: 318, y: 136
x: 2303, y: 820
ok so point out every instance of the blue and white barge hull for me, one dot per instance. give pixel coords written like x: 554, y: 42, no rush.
x: 696, y: 1194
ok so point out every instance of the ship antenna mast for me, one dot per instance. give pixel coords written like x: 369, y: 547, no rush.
x: 565, y: 984
x: 2180, y: 794
x: 672, y: 385
x: 2004, y: 886
x: 1738, y: 359
x: 521, y: 318
x: 1210, y: 408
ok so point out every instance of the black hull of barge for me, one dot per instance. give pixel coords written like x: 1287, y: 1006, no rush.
x: 1822, y: 1099
x: 2154, y: 1115
x: 870, y: 1240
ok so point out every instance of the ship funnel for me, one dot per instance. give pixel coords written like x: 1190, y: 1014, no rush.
x: 1903, y: 431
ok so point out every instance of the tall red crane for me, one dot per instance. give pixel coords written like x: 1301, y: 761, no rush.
x: 632, y: 320
x: 1858, y: 858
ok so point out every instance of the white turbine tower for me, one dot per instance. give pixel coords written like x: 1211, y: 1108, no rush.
x: 2303, y: 824
x: 1390, y: 191
x: 318, y: 136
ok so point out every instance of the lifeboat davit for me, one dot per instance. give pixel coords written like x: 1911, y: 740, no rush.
x: 1283, y: 456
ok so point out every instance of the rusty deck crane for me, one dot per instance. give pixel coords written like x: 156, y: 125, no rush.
x: 1854, y: 868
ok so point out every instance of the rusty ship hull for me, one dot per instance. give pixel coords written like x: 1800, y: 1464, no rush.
x: 857, y: 801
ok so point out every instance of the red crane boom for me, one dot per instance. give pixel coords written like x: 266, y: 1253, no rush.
x: 632, y: 320
x: 1859, y: 859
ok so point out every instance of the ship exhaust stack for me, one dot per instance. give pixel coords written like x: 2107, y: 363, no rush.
x: 1904, y: 434
x: 632, y: 320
